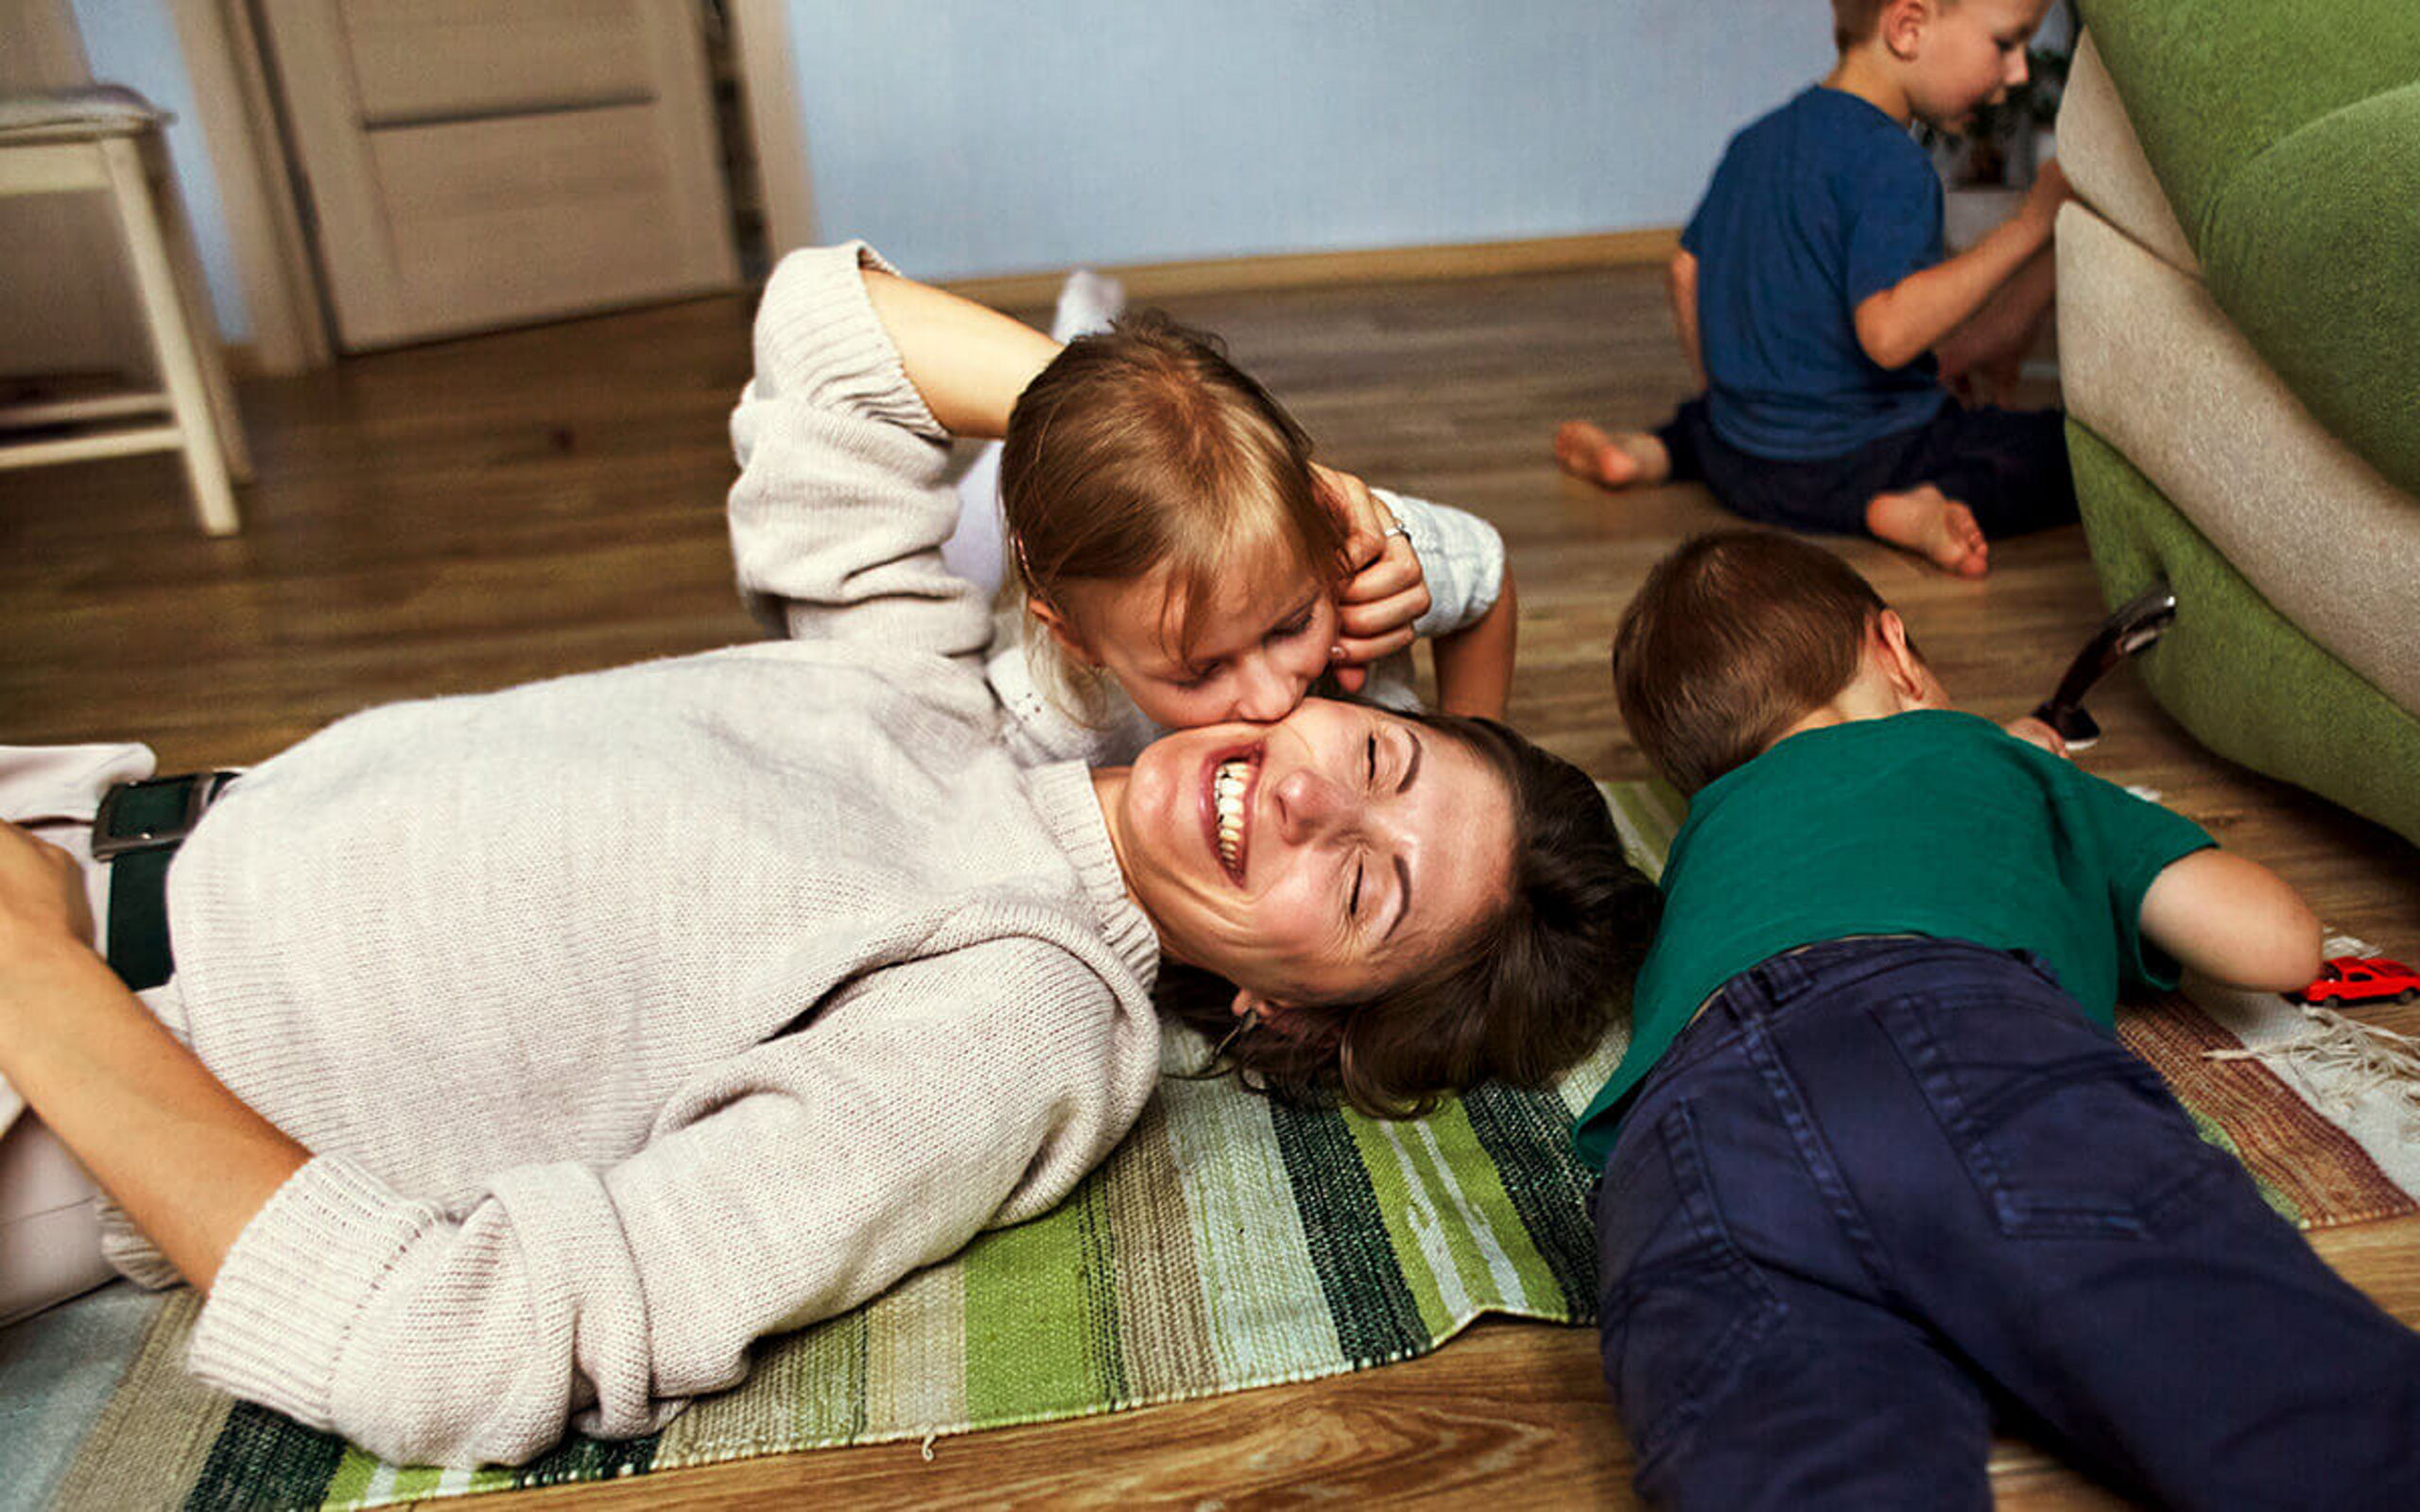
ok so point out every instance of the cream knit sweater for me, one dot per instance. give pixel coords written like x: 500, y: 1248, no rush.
x: 635, y: 1015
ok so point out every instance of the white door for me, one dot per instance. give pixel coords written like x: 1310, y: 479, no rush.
x: 475, y: 164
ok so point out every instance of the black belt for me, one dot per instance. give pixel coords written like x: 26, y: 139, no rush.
x: 137, y: 831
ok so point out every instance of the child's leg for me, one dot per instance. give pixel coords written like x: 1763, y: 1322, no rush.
x: 1973, y: 476
x: 1861, y: 492
x: 2009, y: 466
x: 1747, y: 1374
x: 1613, y: 459
x: 1934, y: 526
x: 1088, y: 302
x: 2228, y: 1366
x: 2066, y: 1229
x: 1752, y: 1345
x: 1623, y: 459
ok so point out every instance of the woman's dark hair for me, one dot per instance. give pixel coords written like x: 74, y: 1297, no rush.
x: 1533, y: 990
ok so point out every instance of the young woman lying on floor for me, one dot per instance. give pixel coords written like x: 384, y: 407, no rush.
x: 511, y: 1062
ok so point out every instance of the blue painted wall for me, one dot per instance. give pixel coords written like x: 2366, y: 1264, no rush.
x: 967, y: 136
x: 970, y: 136
x: 134, y: 42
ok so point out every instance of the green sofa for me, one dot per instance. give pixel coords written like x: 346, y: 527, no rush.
x: 2240, y: 340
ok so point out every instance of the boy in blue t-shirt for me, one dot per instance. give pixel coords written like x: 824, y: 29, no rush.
x: 1814, y: 300
x: 1876, y: 1165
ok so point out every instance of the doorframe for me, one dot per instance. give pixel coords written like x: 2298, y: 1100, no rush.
x: 761, y: 53
x: 282, y: 291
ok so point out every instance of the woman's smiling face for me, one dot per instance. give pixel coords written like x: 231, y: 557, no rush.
x: 1327, y: 857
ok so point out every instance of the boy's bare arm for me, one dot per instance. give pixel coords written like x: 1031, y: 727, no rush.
x: 2232, y: 919
x: 1992, y: 346
x: 1680, y: 281
x: 1910, y: 317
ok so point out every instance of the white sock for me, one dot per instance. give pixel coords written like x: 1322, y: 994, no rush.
x: 1088, y: 302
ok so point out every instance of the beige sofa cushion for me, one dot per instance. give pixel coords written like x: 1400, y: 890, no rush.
x: 2151, y: 366
x: 2102, y: 158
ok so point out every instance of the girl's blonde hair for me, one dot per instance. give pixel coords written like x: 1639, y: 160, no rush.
x: 1142, y: 447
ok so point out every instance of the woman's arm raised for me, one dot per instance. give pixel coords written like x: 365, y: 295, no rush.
x: 1466, y: 602
x: 1475, y: 663
x: 969, y: 362
x: 844, y: 497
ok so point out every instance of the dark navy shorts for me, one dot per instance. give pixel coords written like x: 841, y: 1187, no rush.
x: 2009, y: 466
x: 1885, y: 1193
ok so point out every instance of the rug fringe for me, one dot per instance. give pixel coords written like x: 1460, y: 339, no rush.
x: 2346, y: 1061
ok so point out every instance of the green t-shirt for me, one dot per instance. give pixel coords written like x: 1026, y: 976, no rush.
x: 1929, y: 823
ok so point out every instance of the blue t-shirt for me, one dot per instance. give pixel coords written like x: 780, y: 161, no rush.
x: 1931, y: 822
x: 1814, y: 209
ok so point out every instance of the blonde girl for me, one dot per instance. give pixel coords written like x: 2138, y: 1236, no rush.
x: 1178, y: 558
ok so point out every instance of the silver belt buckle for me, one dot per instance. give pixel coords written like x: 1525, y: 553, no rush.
x: 201, y: 790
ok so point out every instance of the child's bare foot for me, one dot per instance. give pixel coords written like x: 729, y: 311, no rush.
x: 1934, y: 526
x: 1620, y: 461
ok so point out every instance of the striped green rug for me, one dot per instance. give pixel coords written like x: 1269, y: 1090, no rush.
x: 1228, y: 1242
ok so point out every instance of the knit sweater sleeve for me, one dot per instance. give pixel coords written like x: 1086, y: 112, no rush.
x: 1461, y: 556
x: 843, y: 501
x: 924, y: 1102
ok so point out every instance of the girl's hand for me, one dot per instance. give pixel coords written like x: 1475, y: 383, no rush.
x: 43, y: 903
x: 1384, y: 590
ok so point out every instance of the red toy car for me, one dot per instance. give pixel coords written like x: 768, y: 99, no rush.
x: 2363, y: 979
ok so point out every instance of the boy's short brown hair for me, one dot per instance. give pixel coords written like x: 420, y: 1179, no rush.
x: 1856, y: 21
x: 1732, y: 639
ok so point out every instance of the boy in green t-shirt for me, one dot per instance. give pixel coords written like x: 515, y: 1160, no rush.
x: 1876, y: 1164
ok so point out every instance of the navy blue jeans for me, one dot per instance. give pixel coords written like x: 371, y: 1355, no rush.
x: 2009, y: 466
x: 1882, y: 1190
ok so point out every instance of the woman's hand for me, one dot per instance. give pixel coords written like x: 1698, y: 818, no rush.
x: 42, y: 906
x: 1384, y: 590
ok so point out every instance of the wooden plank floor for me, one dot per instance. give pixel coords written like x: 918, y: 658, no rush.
x: 472, y: 514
